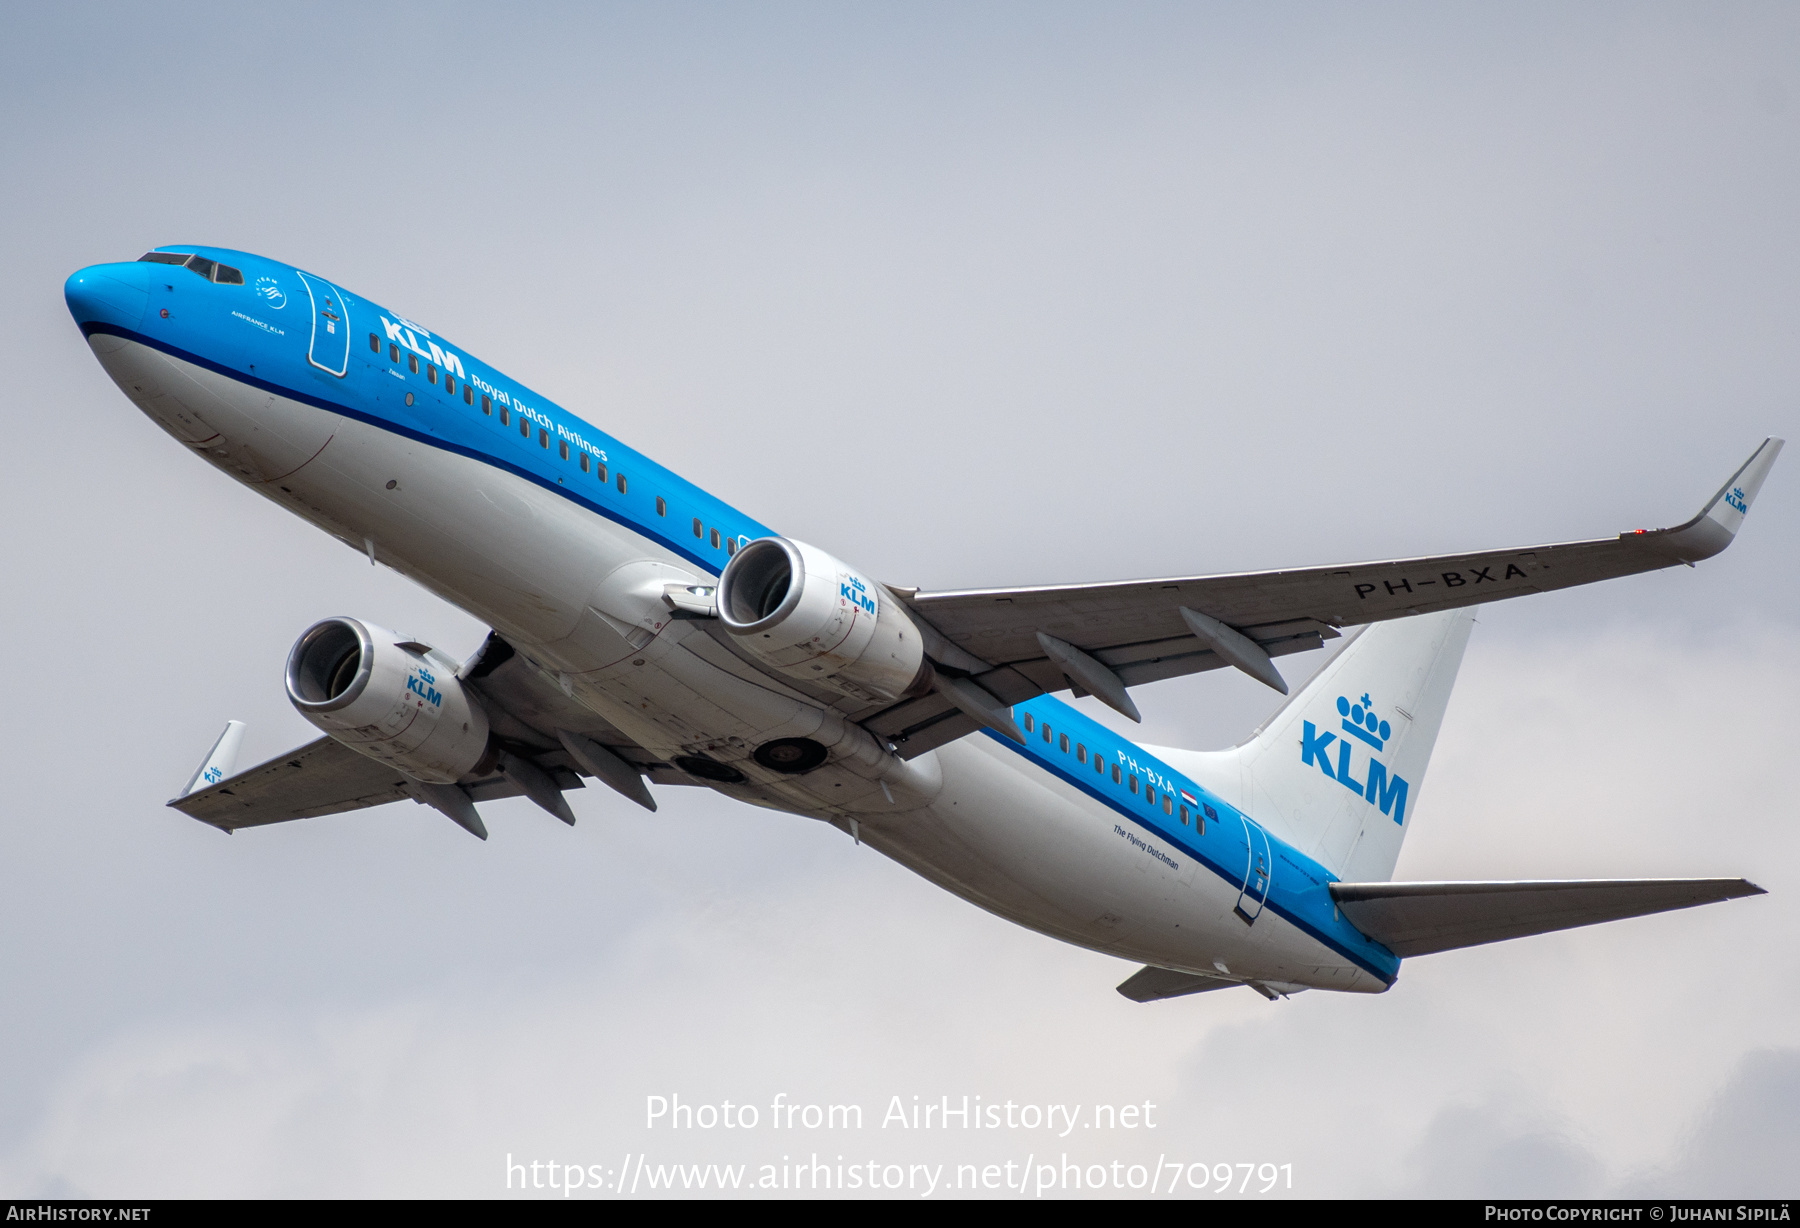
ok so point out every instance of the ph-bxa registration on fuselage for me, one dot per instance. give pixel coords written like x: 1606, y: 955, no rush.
x: 645, y: 633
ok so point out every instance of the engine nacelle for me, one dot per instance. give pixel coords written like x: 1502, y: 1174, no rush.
x: 812, y: 617
x: 390, y: 699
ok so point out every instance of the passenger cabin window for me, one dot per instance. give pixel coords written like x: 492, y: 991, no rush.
x: 524, y: 428
x: 662, y: 508
x: 730, y: 545
x: 1080, y: 753
x: 600, y: 471
x: 1168, y: 805
x: 1133, y: 786
x: 374, y: 344
x: 1184, y: 816
x: 562, y: 449
x: 585, y: 461
x: 431, y: 373
x: 543, y: 438
x: 621, y: 483
x: 468, y: 395
x: 714, y: 537
x: 1028, y: 725
x: 505, y: 415
x: 1046, y: 733
x: 449, y: 383
x: 487, y: 406
x: 412, y: 363
x: 393, y: 352
x: 1099, y: 764
x: 701, y: 532
x: 1116, y: 774
x: 1063, y: 743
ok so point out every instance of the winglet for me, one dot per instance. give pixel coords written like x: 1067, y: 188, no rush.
x: 1719, y: 521
x: 219, y: 762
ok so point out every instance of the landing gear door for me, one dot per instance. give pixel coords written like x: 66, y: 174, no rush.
x: 329, y: 349
x: 1257, y: 873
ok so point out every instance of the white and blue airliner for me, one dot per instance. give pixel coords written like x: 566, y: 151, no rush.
x: 646, y: 634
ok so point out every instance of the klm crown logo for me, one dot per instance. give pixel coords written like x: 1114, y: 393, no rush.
x: 420, y: 682
x: 1736, y: 499
x: 1360, y: 722
x: 852, y: 589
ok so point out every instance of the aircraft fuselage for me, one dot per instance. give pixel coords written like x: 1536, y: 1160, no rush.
x: 563, y: 540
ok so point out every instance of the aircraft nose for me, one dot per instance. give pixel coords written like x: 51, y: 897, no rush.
x: 116, y: 294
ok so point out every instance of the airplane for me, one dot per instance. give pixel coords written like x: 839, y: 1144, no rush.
x: 645, y: 633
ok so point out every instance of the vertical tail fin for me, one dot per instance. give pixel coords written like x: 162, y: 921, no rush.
x: 1337, y: 771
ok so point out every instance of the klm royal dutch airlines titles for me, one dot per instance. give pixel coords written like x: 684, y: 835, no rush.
x: 646, y: 635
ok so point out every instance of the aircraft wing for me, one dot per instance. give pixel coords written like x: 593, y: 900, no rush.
x: 325, y: 777
x: 1145, y: 630
x: 322, y: 777
x: 1424, y: 918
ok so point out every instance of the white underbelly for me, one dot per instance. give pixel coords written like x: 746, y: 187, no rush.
x: 1027, y: 846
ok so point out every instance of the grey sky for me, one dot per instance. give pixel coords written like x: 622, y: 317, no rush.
x: 968, y: 295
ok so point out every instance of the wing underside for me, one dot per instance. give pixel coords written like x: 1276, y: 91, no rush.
x: 1147, y: 630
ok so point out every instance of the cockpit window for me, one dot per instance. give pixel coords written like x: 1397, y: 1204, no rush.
x: 224, y: 274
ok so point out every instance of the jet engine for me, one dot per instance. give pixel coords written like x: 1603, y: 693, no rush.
x: 811, y: 617
x: 391, y: 699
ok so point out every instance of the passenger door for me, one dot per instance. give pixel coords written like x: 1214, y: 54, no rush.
x: 1258, y: 871
x: 329, y: 349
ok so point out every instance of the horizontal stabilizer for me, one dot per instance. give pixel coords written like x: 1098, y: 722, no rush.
x: 1423, y: 918
x: 1153, y: 984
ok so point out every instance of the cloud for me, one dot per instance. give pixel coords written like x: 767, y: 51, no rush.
x: 1744, y: 1144
x: 1492, y: 1149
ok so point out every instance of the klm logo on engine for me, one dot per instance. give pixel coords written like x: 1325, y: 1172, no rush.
x: 419, y: 683
x: 1378, y: 786
x: 857, y: 594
